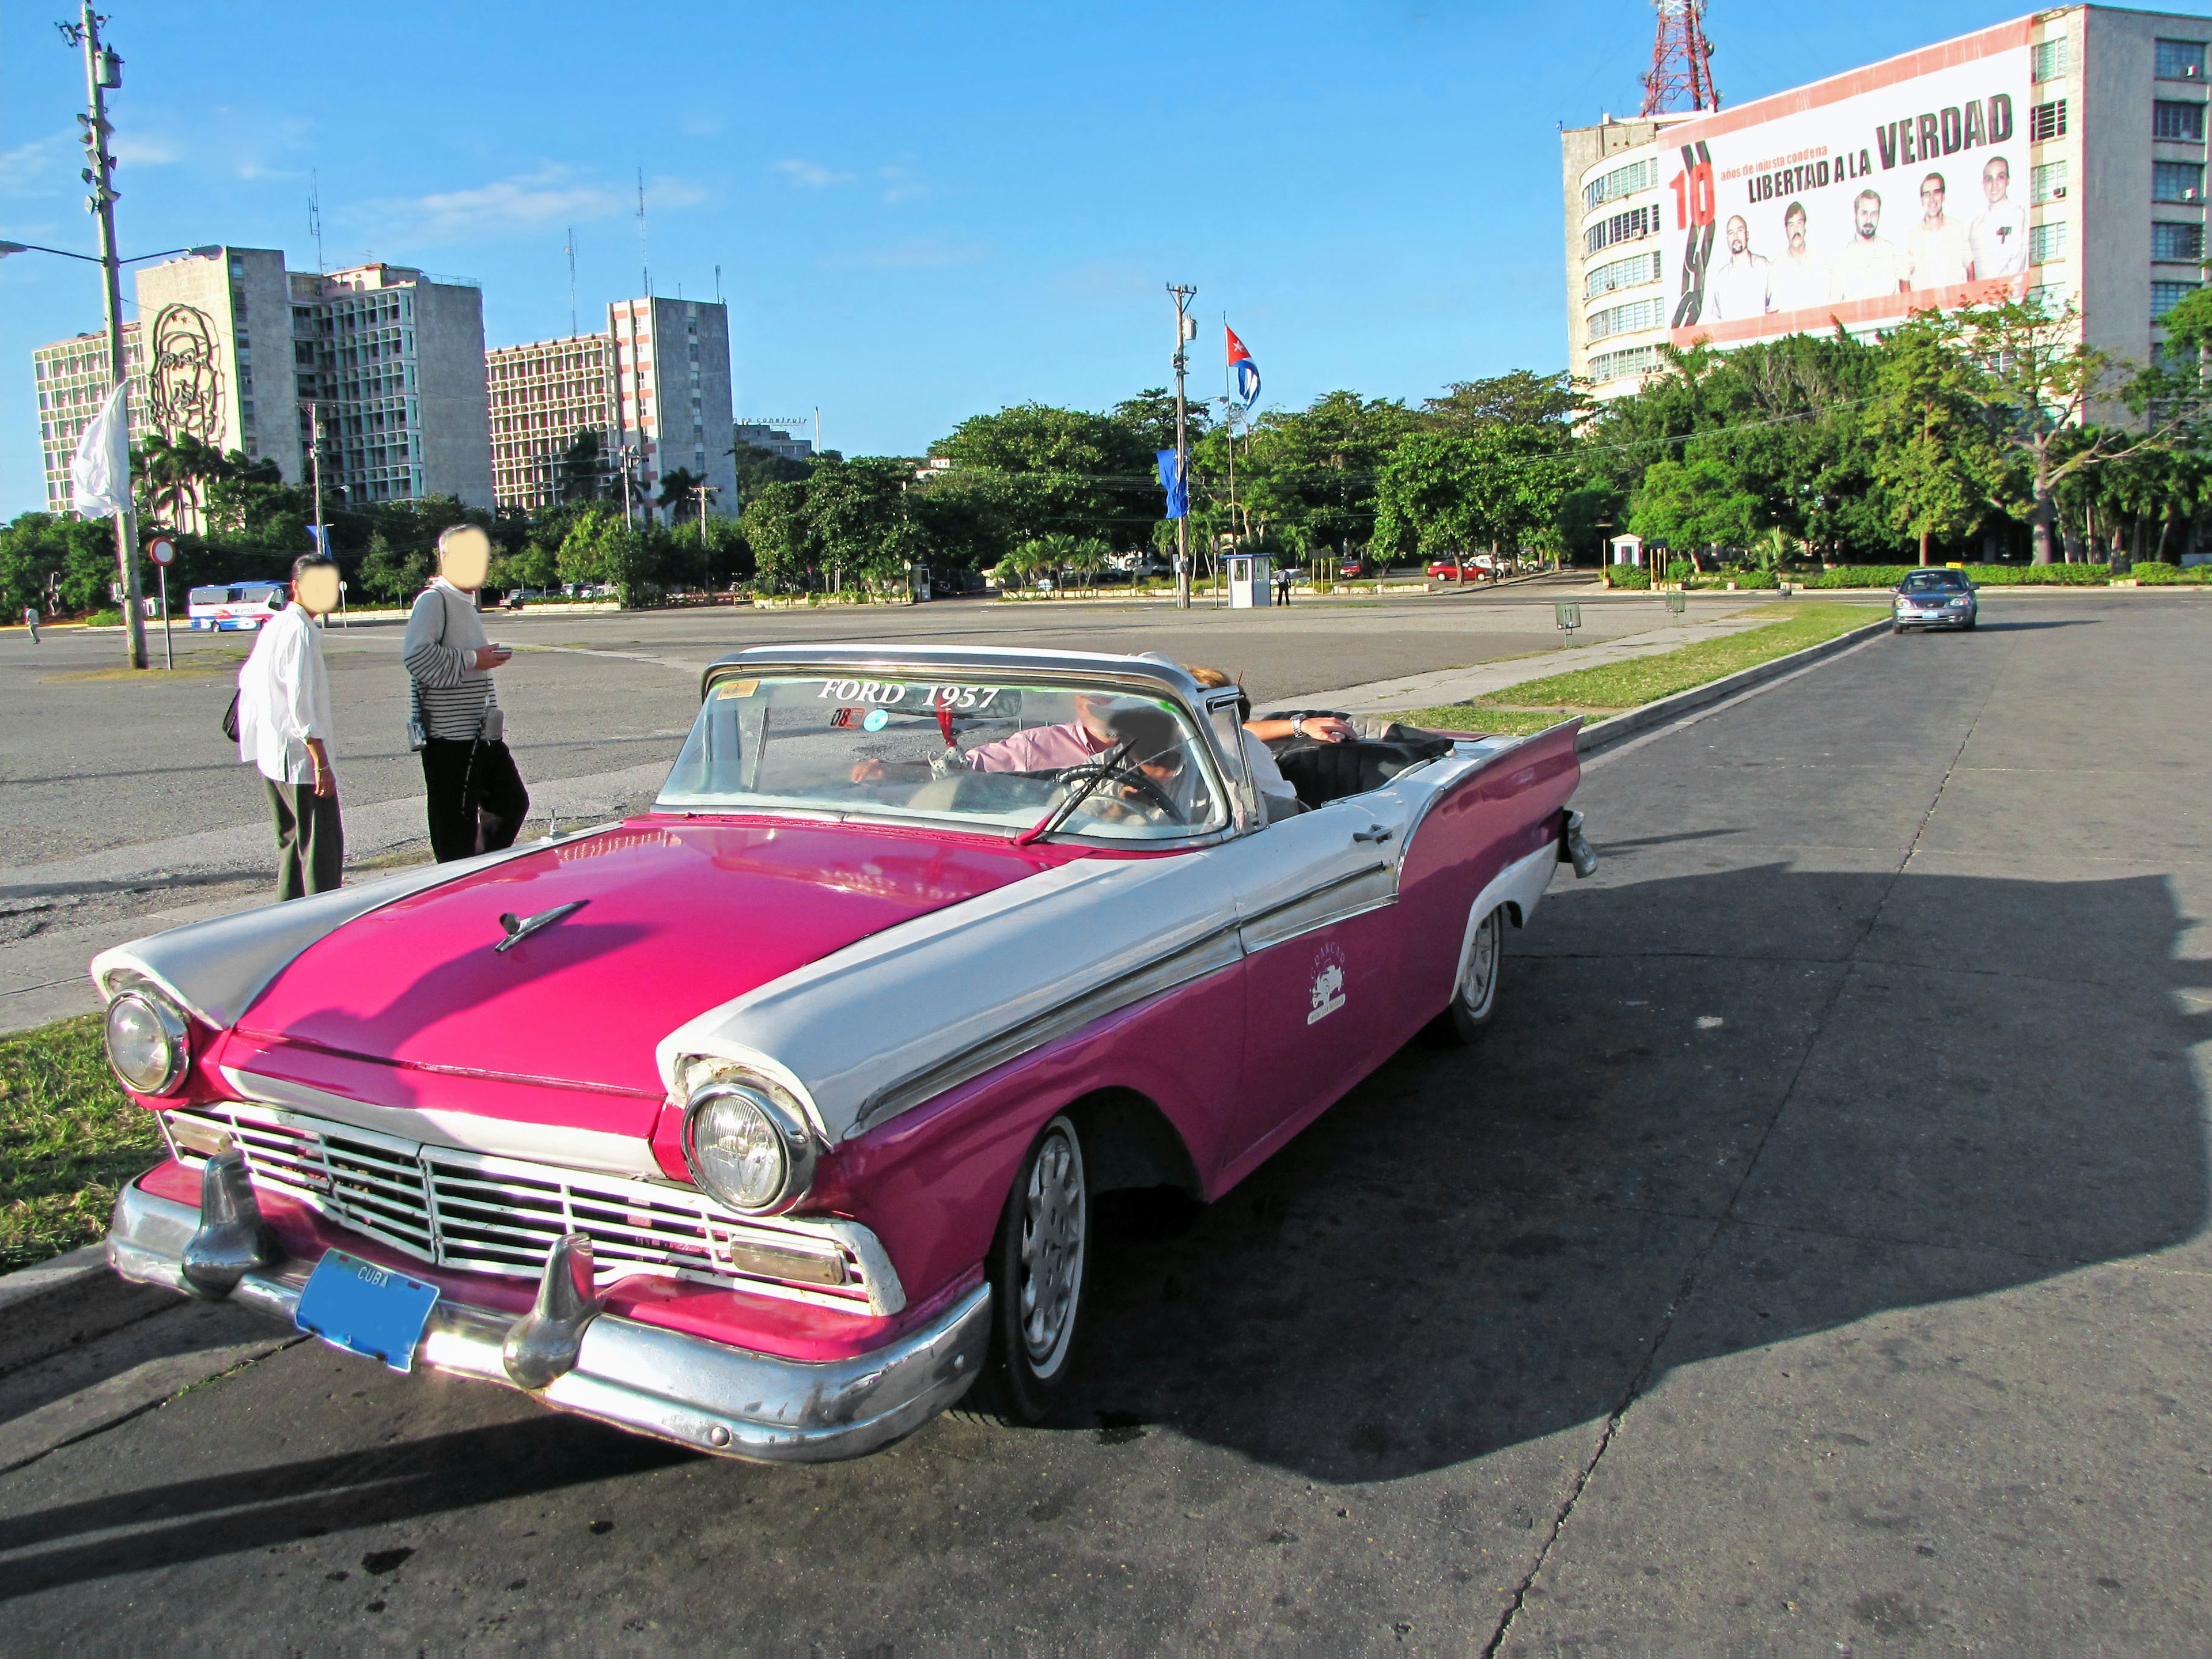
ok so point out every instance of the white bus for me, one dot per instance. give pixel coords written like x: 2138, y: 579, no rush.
x: 241, y: 604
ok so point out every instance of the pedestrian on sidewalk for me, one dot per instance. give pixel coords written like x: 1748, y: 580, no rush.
x: 476, y: 799
x: 284, y: 730
x: 31, y: 620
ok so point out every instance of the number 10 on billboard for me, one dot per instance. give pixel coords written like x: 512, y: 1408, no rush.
x: 1693, y: 195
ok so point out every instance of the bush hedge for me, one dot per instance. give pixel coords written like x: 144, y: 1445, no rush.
x: 1626, y: 576
x: 1982, y: 575
x: 2149, y: 574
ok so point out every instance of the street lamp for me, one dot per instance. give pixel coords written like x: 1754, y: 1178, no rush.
x: 7, y: 248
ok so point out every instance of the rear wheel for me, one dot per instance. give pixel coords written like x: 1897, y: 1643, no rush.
x: 1039, y: 1269
x: 1475, y: 997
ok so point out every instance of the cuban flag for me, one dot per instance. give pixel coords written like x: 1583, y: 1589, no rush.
x: 1247, y: 371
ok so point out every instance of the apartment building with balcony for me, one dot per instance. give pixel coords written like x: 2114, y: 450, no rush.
x: 2060, y: 156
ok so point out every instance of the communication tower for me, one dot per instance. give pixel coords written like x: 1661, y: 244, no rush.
x: 1681, y: 74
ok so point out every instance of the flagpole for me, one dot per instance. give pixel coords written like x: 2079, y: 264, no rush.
x: 1186, y: 325
x: 1228, y: 426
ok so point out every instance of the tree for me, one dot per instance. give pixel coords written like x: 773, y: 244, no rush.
x: 1150, y: 418
x: 1687, y: 505
x: 1933, y: 455
x: 777, y: 528
x: 2040, y: 373
x: 676, y: 487
x: 1308, y: 477
x: 599, y: 548
x: 583, y: 473
x: 1522, y: 398
x: 857, y: 513
x: 1033, y: 470
x: 1451, y: 492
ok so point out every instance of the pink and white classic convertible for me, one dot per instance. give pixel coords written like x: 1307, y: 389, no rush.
x: 769, y: 1121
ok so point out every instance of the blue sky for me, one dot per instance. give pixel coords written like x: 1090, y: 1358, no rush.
x: 919, y: 212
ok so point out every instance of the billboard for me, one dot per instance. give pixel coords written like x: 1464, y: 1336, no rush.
x: 1900, y: 187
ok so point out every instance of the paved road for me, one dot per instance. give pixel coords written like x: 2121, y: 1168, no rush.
x: 1814, y: 1259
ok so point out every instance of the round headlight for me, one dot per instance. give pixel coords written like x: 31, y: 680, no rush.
x: 748, y: 1148
x: 145, y: 1042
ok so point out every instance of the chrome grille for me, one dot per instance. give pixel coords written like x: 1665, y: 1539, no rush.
x: 501, y: 1215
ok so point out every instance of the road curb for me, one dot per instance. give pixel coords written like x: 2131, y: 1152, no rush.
x: 1666, y: 710
x: 67, y: 1302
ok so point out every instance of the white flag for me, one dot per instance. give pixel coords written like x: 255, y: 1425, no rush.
x: 99, y: 472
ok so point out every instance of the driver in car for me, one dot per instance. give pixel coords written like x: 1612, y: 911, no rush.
x: 1102, y: 725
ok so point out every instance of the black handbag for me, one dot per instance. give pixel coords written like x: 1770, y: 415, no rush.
x: 230, y: 719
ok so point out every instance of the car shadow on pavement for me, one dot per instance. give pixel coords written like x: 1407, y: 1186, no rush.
x: 1476, y: 1249
x: 217, y: 1514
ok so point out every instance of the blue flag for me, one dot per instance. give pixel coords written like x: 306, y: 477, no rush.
x: 319, y: 538
x: 1172, y: 481
x: 1247, y: 371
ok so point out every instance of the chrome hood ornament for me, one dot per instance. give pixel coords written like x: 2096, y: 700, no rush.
x: 519, y: 928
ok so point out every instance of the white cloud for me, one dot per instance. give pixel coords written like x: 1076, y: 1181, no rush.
x: 810, y: 175
x: 903, y: 184
x: 530, y: 202
x: 146, y: 149
x: 23, y: 169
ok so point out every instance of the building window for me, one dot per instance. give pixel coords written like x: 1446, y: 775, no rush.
x: 2046, y: 244
x: 2181, y: 60
x: 2182, y: 122
x: 1620, y: 365
x: 1626, y: 320
x: 2049, y: 58
x: 2050, y: 182
x: 1621, y: 181
x: 2164, y: 296
x: 2177, y: 181
x: 1622, y: 227
x: 2046, y: 122
x: 2176, y: 245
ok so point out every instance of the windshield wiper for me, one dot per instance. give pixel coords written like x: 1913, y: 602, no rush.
x: 1058, y: 815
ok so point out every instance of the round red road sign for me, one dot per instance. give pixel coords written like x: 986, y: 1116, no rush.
x: 160, y: 550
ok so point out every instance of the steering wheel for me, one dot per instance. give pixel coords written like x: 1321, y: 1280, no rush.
x: 1123, y: 775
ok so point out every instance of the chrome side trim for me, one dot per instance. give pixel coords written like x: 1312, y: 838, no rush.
x: 1208, y: 955
x: 1337, y: 899
x: 1481, y: 763
x: 708, y: 1396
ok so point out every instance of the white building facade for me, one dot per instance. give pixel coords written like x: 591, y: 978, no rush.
x: 2060, y: 156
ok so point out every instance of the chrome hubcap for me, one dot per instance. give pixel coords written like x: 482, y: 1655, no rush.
x: 1481, y: 977
x: 1052, y: 1243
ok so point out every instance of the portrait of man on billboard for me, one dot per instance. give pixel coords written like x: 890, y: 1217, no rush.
x: 1738, y: 288
x: 1797, y: 280
x: 1998, y: 242
x: 1870, y: 265
x: 1938, y: 244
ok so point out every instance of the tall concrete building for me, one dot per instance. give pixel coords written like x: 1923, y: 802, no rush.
x: 776, y: 440
x: 2061, y: 156
x: 73, y: 381
x: 657, y: 383
x: 392, y: 362
x: 544, y: 397
x: 393, y: 359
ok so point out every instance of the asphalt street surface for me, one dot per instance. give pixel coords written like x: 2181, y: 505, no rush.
x: 1813, y: 1258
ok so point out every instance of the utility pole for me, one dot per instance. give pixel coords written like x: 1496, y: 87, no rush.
x: 1186, y: 331
x: 103, y: 71
x: 315, y: 467
x: 700, y: 493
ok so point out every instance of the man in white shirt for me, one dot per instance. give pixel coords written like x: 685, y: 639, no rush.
x: 1937, y: 245
x: 1797, y: 280
x: 1871, y: 267
x: 284, y: 730
x: 1998, y: 240
x: 1739, y: 288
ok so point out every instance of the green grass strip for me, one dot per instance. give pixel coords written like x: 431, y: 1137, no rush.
x: 1610, y: 688
x: 70, y: 1137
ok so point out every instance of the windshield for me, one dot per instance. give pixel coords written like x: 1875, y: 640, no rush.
x: 1929, y: 581
x: 1004, y: 757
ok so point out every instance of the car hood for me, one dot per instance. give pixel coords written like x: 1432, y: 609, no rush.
x: 673, y: 916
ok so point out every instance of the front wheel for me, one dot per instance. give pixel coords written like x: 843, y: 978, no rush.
x: 1039, y: 1268
x: 1475, y: 997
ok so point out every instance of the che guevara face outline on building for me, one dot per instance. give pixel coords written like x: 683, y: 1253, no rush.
x: 184, y: 379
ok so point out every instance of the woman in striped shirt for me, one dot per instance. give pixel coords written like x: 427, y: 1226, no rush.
x: 477, y: 800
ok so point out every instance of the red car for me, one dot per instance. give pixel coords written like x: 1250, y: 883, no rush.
x: 1478, y: 568
x: 768, y: 1122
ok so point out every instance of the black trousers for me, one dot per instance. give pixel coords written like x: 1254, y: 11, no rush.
x: 477, y: 799
x: 310, y: 839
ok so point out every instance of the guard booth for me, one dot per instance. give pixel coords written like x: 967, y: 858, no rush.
x: 1626, y: 549
x: 1251, y: 581
x: 918, y: 585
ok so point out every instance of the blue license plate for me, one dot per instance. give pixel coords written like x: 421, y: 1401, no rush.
x: 366, y: 1310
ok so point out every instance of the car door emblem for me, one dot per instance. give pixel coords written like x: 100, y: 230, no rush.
x: 519, y: 928
x: 1328, y: 986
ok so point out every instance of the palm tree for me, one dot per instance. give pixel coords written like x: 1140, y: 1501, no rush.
x: 676, y: 489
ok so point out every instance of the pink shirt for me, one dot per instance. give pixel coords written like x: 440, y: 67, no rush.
x: 1039, y: 749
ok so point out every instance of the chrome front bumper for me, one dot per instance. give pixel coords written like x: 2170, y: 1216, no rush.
x: 729, y: 1401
